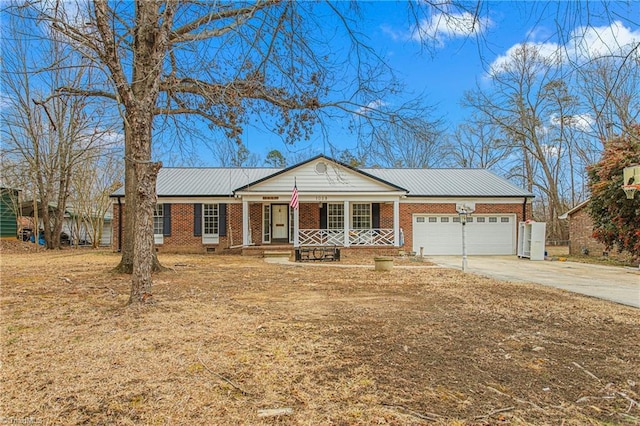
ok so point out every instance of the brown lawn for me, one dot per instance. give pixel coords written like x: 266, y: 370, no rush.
x: 230, y: 336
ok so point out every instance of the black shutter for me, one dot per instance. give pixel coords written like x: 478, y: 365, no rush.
x: 323, y: 216
x: 222, y: 220
x: 375, y: 216
x: 197, y: 220
x: 166, y: 220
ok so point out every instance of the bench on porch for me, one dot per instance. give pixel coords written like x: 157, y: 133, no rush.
x: 307, y: 253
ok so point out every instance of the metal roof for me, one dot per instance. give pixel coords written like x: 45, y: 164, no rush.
x: 222, y: 182
x: 200, y: 182
x: 450, y: 182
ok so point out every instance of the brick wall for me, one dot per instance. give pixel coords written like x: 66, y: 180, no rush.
x: 309, y: 216
x: 183, y: 240
x: 581, y: 235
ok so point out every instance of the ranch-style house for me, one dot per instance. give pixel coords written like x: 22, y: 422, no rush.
x: 384, y: 210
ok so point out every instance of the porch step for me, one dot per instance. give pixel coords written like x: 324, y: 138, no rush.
x: 280, y: 253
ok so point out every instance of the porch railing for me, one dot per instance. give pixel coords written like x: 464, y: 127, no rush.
x: 335, y: 237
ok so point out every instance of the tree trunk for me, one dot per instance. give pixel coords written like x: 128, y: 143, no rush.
x: 143, y: 252
x: 128, y: 233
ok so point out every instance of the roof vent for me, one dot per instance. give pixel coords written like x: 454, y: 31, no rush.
x: 321, y: 167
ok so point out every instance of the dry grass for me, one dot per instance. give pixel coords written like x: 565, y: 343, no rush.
x: 230, y: 336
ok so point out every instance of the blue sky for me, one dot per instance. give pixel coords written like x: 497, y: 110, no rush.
x: 459, y: 61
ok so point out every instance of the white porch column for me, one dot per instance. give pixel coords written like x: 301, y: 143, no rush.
x: 296, y: 227
x: 346, y: 223
x: 245, y: 223
x: 396, y: 223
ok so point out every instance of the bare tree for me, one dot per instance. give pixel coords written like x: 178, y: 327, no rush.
x: 222, y: 62
x: 415, y: 143
x: 521, y: 104
x: 95, y: 179
x: 477, y: 144
x: 47, y: 135
x: 609, y: 88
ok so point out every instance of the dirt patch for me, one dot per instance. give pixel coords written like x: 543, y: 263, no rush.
x: 230, y: 336
x: 17, y: 246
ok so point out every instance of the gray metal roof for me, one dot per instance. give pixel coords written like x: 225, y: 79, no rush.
x: 199, y: 182
x: 218, y: 181
x: 450, y: 182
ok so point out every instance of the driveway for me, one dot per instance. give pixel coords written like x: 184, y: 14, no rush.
x: 620, y: 285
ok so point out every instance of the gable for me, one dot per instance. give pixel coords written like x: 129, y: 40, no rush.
x: 321, y: 175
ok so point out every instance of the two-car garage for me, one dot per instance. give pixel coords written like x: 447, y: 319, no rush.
x: 493, y: 234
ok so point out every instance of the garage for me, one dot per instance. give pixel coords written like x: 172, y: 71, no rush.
x: 486, y: 234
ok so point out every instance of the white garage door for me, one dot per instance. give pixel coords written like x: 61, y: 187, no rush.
x: 486, y: 234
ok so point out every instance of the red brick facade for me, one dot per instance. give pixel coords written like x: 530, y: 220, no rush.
x: 182, y: 238
x: 581, y: 239
x: 408, y: 210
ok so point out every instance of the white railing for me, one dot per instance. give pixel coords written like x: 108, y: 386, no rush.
x: 371, y: 237
x: 335, y: 237
x: 321, y: 237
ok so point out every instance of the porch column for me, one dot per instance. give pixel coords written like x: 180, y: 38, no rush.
x: 245, y: 224
x: 346, y: 223
x: 396, y: 223
x: 296, y: 227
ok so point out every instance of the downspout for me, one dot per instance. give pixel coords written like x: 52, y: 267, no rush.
x: 119, y: 226
x: 524, y: 209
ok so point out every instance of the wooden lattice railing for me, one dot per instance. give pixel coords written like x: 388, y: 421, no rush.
x: 335, y: 237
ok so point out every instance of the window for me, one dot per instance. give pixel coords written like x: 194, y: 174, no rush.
x: 361, y: 218
x: 420, y: 219
x: 504, y: 219
x: 444, y: 219
x: 266, y: 223
x: 481, y: 220
x: 469, y: 219
x: 335, y: 216
x: 456, y: 219
x: 210, y: 219
x: 158, y: 219
x: 493, y: 220
x: 433, y: 219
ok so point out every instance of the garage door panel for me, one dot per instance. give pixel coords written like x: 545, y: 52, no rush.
x: 488, y: 235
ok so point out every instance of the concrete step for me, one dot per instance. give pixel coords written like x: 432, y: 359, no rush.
x: 274, y: 253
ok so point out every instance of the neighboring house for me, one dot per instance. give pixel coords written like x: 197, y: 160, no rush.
x: 8, y: 218
x: 81, y: 228
x: 384, y: 210
x: 78, y: 229
x: 581, y: 241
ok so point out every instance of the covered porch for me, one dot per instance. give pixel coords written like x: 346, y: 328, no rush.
x: 357, y: 222
x: 336, y: 205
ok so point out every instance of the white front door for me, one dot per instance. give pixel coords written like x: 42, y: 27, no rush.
x: 280, y: 222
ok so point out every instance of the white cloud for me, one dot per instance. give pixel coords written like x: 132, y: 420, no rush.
x: 550, y: 150
x: 549, y: 51
x: 582, y: 122
x: 449, y: 25
x: 592, y: 42
x: 585, y: 43
x: 373, y: 105
x: 441, y: 27
x: 393, y: 33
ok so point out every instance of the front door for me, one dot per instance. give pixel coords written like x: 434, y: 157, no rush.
x: 280, y: 223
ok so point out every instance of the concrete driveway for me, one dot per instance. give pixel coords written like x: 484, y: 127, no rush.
x: 620, y: 285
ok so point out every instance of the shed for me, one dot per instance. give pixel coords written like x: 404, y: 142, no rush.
x: 8, y: 218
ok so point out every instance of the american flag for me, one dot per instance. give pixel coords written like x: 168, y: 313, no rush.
x: 294, y: 197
